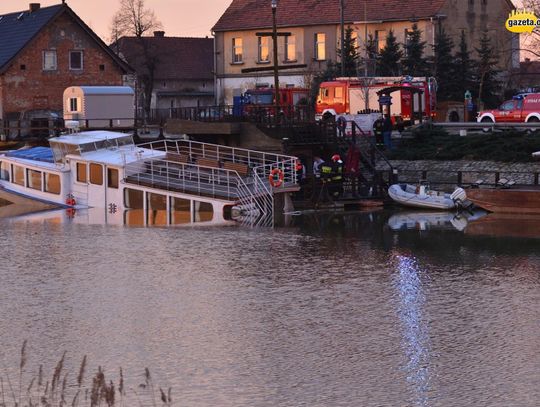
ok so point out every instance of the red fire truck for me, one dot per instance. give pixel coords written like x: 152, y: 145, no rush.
x: 523, y: 108
x: 261, y: 100
x: 407, y: 97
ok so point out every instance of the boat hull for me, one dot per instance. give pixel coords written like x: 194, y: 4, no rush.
x: 507, y: 200
x: 407, y: 195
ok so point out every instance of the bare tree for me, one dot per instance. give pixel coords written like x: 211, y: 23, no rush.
x: 530, y: 44
x: 133, y: 19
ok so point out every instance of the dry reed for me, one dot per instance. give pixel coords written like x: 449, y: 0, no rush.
x: 101, y: 393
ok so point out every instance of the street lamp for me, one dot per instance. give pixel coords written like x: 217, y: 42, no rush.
x: 274, y: 39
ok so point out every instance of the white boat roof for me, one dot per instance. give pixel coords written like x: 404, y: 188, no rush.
x: 105, y: 90
x: 85, y: 137
x: 119, y: 156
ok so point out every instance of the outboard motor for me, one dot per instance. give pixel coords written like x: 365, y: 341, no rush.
x: 459, y: 196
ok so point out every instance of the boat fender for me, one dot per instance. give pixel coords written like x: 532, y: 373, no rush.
x: 276, y: 177
x: 70, y: 202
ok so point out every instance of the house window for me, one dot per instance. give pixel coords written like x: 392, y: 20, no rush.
x: 264, y: 49
x: 380, y: 39
x: 49, y: 60
x: 237, y: 50
x: 23, y: 67
x: 290, y: 48
x: 96, y: 174
x: 320, y: 46
x: 101, y: 67
x: 73, y: 105
x: 75, y: 60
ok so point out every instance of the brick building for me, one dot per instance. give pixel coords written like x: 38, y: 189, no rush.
x: 180, y: 69
x: 44, y: 50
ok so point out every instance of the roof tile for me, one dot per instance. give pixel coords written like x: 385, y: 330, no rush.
x: 253, y: 14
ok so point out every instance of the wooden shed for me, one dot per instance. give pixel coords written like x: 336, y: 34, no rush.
x: 100, y: 106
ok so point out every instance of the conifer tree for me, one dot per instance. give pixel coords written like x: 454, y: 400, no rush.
x: 350, y: 51
x: 463, y: 79
x: 487, y: 72
x: 443, y: 65
x: 390, y: 57
x: 370, y: 64
x: 414, y: 63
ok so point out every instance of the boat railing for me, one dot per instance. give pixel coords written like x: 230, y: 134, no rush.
x: 194, y: 151
x: 210, y: 182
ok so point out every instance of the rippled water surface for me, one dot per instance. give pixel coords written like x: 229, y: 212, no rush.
x: 337, y: 310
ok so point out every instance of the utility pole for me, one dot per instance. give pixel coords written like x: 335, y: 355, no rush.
x: 276, y: 66
x: 342, y: 23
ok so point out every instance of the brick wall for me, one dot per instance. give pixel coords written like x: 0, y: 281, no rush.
x: 32, y: 88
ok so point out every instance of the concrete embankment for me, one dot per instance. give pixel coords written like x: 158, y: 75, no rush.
x: 446, y: 172
x: 16, y: 205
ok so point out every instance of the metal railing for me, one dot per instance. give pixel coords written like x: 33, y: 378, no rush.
x: 217, y: 172
x: 196, y: 152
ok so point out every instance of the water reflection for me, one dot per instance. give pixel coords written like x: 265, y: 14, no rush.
x: 416, y: 336
x: 338, y: 310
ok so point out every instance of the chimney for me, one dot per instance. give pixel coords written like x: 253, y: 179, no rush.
x: 34, y: 7
x: 160, y: 34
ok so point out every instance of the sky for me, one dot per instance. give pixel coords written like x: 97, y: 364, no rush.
x: 180, y: 18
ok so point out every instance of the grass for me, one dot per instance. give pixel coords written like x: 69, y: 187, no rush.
x: 437, y: 144
x: 61, y: 391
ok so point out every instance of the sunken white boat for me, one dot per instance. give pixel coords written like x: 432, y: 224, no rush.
x: 158, y: 183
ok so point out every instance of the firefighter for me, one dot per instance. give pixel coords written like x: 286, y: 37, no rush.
x: 378, y: 131
x: 335, y: 188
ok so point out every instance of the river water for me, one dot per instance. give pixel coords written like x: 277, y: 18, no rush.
x: 338, y: 309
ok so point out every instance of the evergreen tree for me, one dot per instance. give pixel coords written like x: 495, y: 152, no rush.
x: 350, y: 51
x: 390, y: 56
x: 443, y: 65
x: 487, y: 72
x: 463, y: 71
x: 414, y: 63
x: 370, y: 64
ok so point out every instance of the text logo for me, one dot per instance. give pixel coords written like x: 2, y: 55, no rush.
x: 522, y: 21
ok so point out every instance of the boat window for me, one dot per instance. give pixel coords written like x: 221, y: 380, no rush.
x: 157, y: 209
x: 96, y: 174
x: 112, y: 178
x: 134, y: 217
x: 125, y: 141
x: 52, y: 183
x: 180, y: 211
x: 133, y: 198
x: 34, y: 179
x: 204, y: 211
x: 4, y: 170
x: 18, y: 175
x: 81, y: 172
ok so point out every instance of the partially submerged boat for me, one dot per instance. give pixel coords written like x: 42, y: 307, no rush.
x: 421, y: 196
x: 158, y: 183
